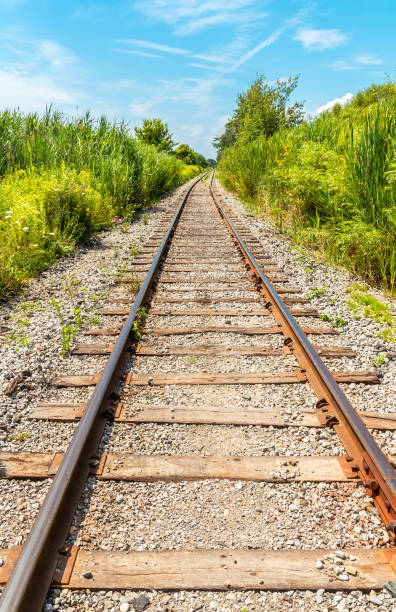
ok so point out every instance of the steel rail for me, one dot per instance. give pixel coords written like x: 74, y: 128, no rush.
x: 384, y: 481
x: 32, y: 575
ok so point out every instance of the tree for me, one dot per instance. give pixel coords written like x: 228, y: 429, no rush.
x: 155, y: 132
x: 200, y: 160
x: 186, y: 154
x: 261, y: 111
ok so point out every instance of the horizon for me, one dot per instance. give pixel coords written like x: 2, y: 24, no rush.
x: 186, y: 64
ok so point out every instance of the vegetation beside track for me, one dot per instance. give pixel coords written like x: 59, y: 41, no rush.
x: 62, y: 179
x: 328, y: 182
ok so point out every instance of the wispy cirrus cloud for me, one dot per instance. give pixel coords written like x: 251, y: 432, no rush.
x: 357, y: 63
x: 148, y: 44
x: 265, y: 43
x: 216, y: 59
x: 191, y: 17
x: 56, y: 55
x: 369, y: 60
x: 319, y: 40
x: 136, y: 52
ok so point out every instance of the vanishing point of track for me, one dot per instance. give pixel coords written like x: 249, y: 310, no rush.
x: 203, y: 247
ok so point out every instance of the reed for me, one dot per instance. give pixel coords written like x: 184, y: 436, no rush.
x: 61, y: 178
x: 330, y: 183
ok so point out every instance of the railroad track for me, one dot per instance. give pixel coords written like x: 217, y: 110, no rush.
x: 220, y: 349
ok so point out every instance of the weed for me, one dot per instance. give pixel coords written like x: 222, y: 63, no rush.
x: 190, y: 358
x: 58, y: 309
x: 91, y: 319
x: 20, y: 340
x: 379, y: 360
x: 70, y: 284
x: 144, y: 219
x: 69, y: 332
x: 134, y: 250
x: 124, y: 227
x: 338, y: 321
x: 19, y: 437
x: 362, y: 303
x: 140, y: 318
x: 315, y: 293
x: 132, y: 283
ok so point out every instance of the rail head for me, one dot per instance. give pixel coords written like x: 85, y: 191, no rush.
x: 376, y: 471
x: 32, y: 575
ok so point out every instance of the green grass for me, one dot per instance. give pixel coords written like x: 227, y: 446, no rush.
x: 329, y: 183
x: 362, y: 303
x: 63, y: 179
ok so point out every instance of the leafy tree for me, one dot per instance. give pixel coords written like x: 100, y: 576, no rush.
x: 212, y: 162
x: 229, y: 137
x: 261, y: 111
x: 186, y: 154
x: 200, y: 160
x: 155, y: 132
x: 189, y: 156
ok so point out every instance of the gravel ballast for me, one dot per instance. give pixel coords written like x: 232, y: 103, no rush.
x: 208, y: 514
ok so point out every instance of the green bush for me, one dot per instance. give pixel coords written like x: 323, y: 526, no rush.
x: 330, y: 182
x: 42, y: 216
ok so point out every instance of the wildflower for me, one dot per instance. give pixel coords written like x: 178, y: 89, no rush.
x: 25, y: 229
x: 117, y: 220
x: 51, y: 233
x: 34, y: 245
x: 18, y: 222
x: 8, y: 212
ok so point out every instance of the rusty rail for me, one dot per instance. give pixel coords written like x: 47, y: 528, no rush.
x: 33, y: 573
x: 365, y: 458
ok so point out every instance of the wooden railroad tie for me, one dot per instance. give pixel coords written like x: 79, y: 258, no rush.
x: 176, y: 468
x: 209, y: 415
x: 210, y: 350
x: 211, y: 569
x: 260, y: 378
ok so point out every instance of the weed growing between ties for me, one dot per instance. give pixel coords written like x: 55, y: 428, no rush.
x: 137, y: 329
x: 329, y: 182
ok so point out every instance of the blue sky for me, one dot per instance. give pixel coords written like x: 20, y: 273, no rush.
x: 186, y: 60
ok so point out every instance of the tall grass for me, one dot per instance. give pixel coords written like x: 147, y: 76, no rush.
x: 61, y: 178
x: 330, y: 183
x: 132, y: 173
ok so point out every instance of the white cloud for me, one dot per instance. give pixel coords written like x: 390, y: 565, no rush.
x: 319, y: 40
x: 344, y: 100
x: 343, y: 66
x: 56, y: 55
x: 31, y: 93
x: 266, y: 43
x: 206, y: 67
x: 368, y: 60
x: 136, y: 52
x: 356, y: 63
x: 196, y: 15
x: 216, y: 59
x: 147, y: 44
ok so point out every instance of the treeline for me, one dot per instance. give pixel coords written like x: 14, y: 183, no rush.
x: 329, y: 182
x: 61, y: 179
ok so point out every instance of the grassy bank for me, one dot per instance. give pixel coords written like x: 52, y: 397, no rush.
x: 62, y: 179
x: 330, y: 182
